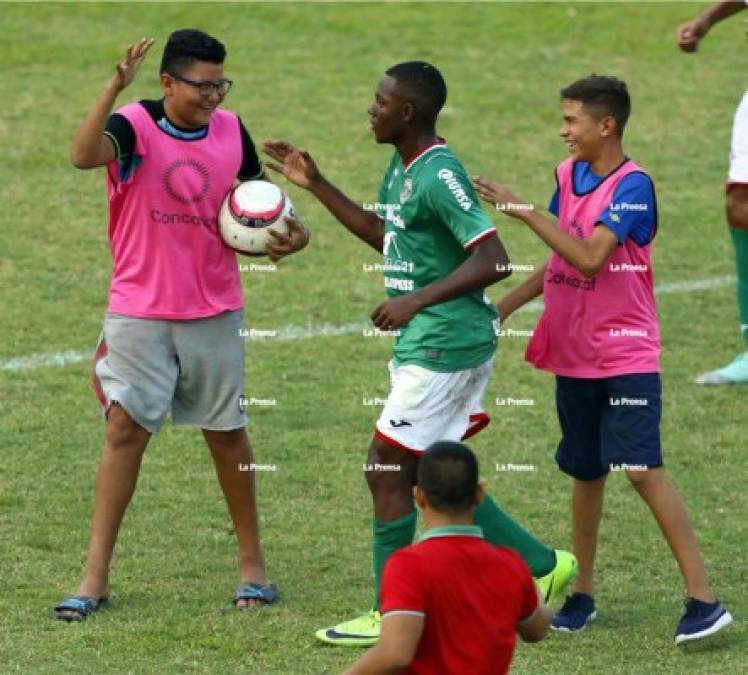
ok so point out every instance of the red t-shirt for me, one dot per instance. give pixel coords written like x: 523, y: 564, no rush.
x: 472, y: 595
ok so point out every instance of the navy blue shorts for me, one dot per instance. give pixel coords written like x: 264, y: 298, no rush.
x: 611, y: 423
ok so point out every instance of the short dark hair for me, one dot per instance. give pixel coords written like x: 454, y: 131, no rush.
x: 608, y: 94
x: 448, y: 476
x: 423, y: 86
x: 184, y: 47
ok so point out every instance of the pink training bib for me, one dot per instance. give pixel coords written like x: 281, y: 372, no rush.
x: 169, y: 259
x: 605, y: 325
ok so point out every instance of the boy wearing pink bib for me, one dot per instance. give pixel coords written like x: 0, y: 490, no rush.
x: 599, y: 335
x: 172, y: 339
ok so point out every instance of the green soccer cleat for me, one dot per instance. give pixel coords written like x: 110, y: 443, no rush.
x: 553, y: 585
x: 735, y: 372
x: 360, y: 632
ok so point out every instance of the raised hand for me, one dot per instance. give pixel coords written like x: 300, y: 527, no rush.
x: 128, y: 67
x: 296, y: 165
x: 500, y: 196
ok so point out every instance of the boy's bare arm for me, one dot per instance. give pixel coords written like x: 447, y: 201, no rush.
x: 587, y: 255
x: 527, y: 291
x: 690, y: 33
x: 396, y: 648
x: 90, y: 148
x: 535, y: 627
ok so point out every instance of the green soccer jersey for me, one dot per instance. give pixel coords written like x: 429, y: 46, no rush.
x: 432, y: 218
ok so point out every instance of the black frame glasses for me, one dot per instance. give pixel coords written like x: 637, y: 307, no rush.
x: 206, y: 87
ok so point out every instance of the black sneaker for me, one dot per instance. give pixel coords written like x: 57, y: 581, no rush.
x: 701, y: 619
x: 577, y: 612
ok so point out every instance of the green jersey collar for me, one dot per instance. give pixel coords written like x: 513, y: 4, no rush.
x: 440, y: 143
x: 452, y: 531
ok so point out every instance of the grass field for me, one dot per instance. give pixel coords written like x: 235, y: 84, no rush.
x: 307, y: 73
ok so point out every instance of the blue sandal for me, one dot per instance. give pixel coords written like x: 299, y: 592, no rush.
x: 83, y: 605
x: 267, y: 594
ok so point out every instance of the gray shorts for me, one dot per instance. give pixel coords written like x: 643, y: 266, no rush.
x: 194, y: 367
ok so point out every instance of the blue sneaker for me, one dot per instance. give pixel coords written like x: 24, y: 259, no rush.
x: 577, y: 612
x: 700, y: 620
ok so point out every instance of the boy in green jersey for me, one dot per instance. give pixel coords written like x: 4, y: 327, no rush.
x: 440, y: 253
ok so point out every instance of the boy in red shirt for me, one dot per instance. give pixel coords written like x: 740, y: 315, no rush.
x: 453, y: 603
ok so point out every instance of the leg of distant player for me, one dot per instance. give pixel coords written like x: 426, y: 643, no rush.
x: 737, y: 218
x: 672, y: 517
x: 736, y: 207
x: 230, y: 449
x: 586, y: 511
x: 394, y: 512
x: 119, y: 466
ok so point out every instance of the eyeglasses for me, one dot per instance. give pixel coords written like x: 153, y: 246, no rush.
x: 206, y: 87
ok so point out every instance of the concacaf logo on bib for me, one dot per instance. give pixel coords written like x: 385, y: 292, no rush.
x: 407, y: 190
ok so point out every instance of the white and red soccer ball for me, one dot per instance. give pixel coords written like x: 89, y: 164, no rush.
x: 249, y: 212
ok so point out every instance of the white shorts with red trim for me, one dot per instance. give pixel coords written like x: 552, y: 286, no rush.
x: 425, y: 406
x: 739, y: 146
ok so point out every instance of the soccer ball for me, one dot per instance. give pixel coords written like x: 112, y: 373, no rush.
x: 248, y: 213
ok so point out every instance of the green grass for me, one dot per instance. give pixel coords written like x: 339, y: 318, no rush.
x: 307, y: 73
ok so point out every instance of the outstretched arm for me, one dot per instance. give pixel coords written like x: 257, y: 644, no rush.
x: 587, y: 255
x: 90, y: 147
x: 487, y: 264
x: 690, y: 33
x: 299, y: 167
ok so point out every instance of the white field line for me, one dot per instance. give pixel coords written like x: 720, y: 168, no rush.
x: 321, y: 330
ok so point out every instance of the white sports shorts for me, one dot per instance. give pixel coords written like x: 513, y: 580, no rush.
x: 194, y: 368
x: 739, y: 145
x: 425, y: 406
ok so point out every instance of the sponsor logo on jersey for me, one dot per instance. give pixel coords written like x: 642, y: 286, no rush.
x: 399, y: 284
x: 389, y: 242
x: 183, y: 219
x: 455, y: 187
x: 576, y: 230
x: 407, y: 190
x: 186, y: 180
x: 552, y: 277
